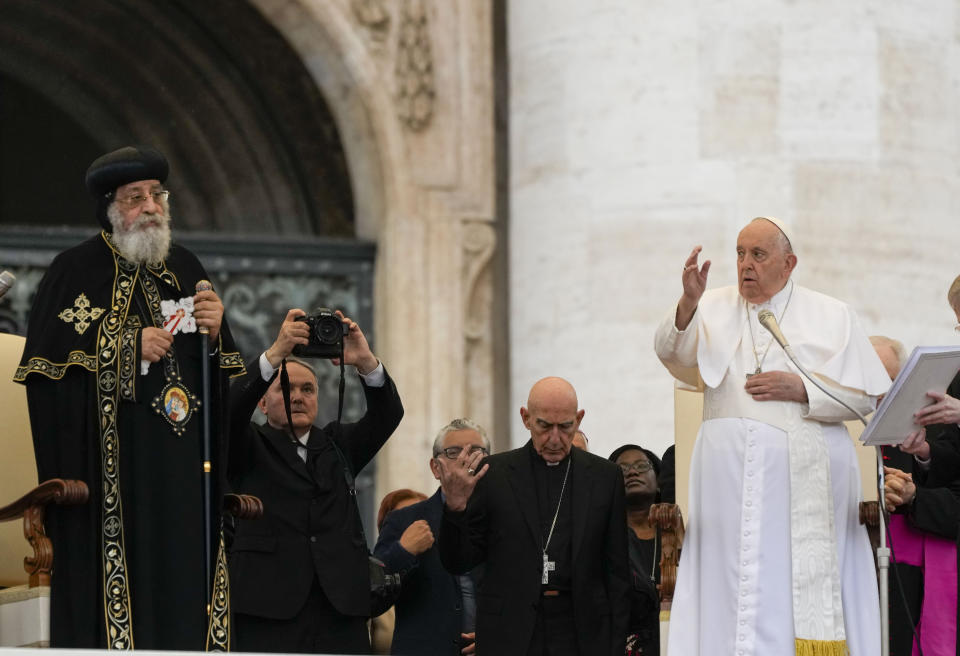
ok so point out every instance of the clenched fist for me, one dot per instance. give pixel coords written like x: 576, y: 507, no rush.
x: 417, y: 538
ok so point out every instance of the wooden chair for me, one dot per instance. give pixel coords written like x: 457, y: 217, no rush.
x: 25, y: 577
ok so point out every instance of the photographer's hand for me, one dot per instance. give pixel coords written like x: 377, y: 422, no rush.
x: 356, y: 351
x: 292, y: 332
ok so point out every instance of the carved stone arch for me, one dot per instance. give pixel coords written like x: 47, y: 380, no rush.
x: 252, y: 145
x: 423, y: 192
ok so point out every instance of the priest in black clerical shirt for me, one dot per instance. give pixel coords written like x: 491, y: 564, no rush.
x: 547, y: 521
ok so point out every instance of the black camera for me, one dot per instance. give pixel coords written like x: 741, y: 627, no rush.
x: 327, y: 331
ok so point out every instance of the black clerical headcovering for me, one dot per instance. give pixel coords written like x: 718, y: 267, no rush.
x: 120, y: 167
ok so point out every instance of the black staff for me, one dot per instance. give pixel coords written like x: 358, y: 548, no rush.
x: 202, y: 286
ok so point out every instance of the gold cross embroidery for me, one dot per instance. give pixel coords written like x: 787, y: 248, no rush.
x: 80, y: 314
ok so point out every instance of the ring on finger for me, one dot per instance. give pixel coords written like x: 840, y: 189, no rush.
x: 469, y: 470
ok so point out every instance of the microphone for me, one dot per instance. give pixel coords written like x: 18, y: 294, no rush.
x: 6, y: 282
x: 769, y: 321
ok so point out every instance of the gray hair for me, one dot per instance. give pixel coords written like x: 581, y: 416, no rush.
x: 303, y: 363
x: 459, y: 424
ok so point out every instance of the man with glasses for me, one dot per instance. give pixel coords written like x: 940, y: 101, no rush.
x: 436, y: 611
x: 547, y: 522
x: 112, y: 365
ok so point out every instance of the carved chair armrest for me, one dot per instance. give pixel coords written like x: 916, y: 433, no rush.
x: 870, y: 517
x: 32, y: 507
x: 243, y: 506
x: 870, y: 514
x: 667, y: 518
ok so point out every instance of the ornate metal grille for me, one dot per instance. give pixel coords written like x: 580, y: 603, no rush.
x: 258, y: 281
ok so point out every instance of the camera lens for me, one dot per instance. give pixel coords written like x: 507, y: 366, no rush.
x: 328, y: 330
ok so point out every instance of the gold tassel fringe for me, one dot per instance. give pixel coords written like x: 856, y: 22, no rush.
x: 821, y: 647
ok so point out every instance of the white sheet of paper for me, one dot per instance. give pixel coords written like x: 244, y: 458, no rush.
x: 929, y: 368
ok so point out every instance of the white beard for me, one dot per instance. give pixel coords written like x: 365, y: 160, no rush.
x: 139, y: 243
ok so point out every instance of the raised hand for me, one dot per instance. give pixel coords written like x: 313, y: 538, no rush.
x: 356, y: 351
x: 694, y: 280
x: 459, y: 477
x: 292, y: 332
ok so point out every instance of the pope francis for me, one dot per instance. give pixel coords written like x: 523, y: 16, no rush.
x: 775, y: 561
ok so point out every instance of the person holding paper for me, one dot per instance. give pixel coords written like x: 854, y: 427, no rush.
x: 775, y: 560
x: 942, y: 456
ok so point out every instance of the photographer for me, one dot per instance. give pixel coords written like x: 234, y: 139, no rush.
x: 299, y: 576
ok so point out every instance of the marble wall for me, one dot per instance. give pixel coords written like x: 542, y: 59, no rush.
x: 410, y: 86
x: 639, y: 129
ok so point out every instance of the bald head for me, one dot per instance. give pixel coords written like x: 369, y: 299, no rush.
x: 891, y: 354
x: 552, y: 417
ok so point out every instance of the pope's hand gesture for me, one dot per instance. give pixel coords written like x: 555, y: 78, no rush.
x: 694, y: 280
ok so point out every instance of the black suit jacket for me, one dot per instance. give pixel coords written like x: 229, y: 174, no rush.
x: 429, y: 612
x: 500, y: 527
x: 310, y: 527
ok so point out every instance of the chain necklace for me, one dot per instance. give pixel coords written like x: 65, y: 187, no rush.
x: 549, y: 565
x: 759, y: 360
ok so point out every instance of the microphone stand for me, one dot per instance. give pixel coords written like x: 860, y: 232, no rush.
x: 883, y: 551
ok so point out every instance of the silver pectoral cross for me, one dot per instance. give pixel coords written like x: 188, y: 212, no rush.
x: 548, y: 566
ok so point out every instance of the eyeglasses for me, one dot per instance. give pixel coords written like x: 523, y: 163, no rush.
x: 640, y: 466
x: 453, y: 452
x: 137, y: 200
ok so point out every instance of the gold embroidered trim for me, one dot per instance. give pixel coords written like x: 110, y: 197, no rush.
x: 128, y: 359
x: 81, y: 314
x: 806, y: 647
x: 232, y: 361
x: 117, y: 609
x: 55, y: 370
x: 218, y: 631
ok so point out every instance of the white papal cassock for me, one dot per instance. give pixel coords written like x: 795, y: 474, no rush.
x: 743, y: 588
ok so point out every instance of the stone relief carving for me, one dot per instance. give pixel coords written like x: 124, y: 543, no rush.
x: 373, y: 15
x: 416, y: 87
x: 479, y: 244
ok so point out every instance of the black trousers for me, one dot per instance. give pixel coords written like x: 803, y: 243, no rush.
x: 554, y: 634
x: 318, y: 628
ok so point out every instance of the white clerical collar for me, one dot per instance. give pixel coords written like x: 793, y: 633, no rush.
x: 775, y: 302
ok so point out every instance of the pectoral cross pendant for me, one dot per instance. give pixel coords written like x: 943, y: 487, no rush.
x: 754, y: 373
x: 548, y: 566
